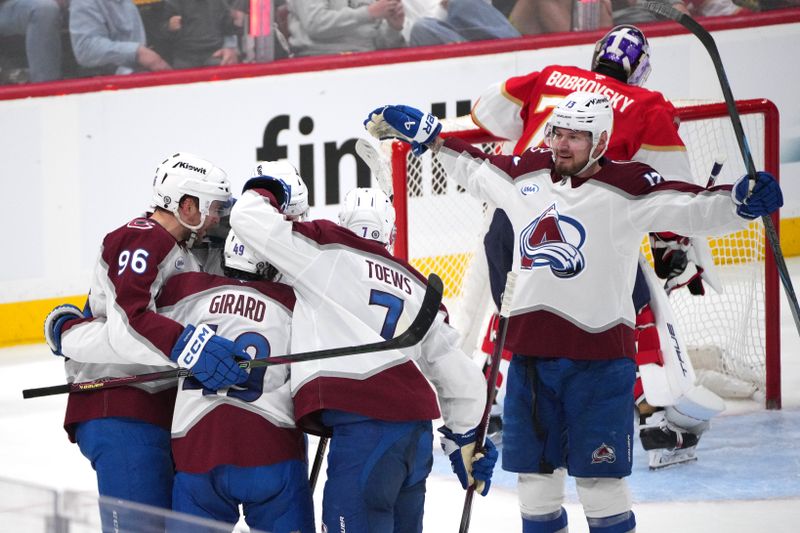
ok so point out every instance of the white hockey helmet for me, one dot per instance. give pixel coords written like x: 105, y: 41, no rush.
x: 238, y: 256
x: 625, y: 47
x: 368, y: 212
x: 184, y: 174
x: 582, y: 111
x: 285, y: 171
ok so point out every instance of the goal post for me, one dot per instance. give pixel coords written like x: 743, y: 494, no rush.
x: 733, y: 337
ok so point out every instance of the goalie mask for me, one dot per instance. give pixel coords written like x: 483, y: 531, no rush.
x: 369, y: 213
x: 238, y: 257
x: 185, y: 174
x: 581, y: 111
x: 626, y: 47
x: 285, y: 171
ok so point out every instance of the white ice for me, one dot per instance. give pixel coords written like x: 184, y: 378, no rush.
x: 747, y: 478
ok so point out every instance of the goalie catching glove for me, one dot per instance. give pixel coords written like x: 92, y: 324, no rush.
x: 470, y: 467
x: 765, y: 198
x: 404, y: 123
x: 210, y: 357
x: 674, y: 260
x: 54, y: 323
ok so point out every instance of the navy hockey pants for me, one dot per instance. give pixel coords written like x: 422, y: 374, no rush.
x: 569, y: 413
x: 376, y: 476
x: 133, y: 462
x: 275, y: 498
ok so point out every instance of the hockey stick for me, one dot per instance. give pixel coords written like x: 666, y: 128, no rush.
x: 317, y: 466
x: 716, y: 168
x: 667, y: 11
x: 414, y: 334
x: 378, y: 165
x: 491, y: 390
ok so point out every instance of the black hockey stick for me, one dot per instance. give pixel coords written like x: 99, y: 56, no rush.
x: 491, y: 390
x: 667, y: 11
x: 317, y: 466
x: 415, y: 332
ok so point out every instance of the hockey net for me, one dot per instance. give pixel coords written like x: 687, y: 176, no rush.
x: 733, y: 337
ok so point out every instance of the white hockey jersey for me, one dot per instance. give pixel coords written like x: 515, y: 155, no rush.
x: 351, y: 291
x: 126, y: 336
x: 576, y: 242
x: 247, y: 425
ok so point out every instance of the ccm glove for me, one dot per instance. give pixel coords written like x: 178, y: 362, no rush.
x: 471, y: 469
x: 765, y: 198
x: 54, y: 323
x: 210, y: 357
x: 405, y: 123
x: 277, y: 187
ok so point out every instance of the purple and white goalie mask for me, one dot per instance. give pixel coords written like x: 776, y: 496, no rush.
x: 627, y: 47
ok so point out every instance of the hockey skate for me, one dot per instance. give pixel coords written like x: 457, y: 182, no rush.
x: 666, y: 443
x: 664, y: 457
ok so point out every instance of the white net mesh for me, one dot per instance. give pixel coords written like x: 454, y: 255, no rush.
x: 446, y: 227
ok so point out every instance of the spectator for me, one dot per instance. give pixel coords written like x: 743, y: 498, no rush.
x: 548, y: 16
x: 109, y: 36
x: 333, y: 26
x: 40, y: 22
x: 203, y: 31
x: 454, y: 21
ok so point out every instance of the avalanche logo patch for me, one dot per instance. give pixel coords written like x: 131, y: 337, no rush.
x: 604, y: 454
x: 553, y: 241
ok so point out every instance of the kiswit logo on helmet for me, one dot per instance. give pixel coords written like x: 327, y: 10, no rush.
x: 187, y: 166
x: 553, y: 241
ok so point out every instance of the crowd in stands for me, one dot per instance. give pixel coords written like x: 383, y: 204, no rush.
x: 46, y: 40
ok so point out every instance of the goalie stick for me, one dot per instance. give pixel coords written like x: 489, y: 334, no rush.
x: 411, y: 336
x: 667, y: 11
x: 491, y: 390
x: 378, y: 165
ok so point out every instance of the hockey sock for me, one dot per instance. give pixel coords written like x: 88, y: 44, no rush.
x: 547, y: 523
x: 618, y: 523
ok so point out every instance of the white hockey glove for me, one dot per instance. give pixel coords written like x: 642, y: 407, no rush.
x: 471, y: 469
x: 765, y: 198
x: 54, y: 323
x: 404, y: 123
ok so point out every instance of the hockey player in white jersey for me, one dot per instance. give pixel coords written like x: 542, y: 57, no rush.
x: 377, y: 407
x: 239, y: 445
x: 578, y: 221
x: 645, y: 130
x: 121, y: 429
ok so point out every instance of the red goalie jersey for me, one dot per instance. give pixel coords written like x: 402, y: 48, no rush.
x: 645, y: 123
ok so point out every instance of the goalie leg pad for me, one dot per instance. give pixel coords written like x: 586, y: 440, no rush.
x: 603, y: 497
x: 665, y: 383
x: 694, y: 409
x: 541, y: 494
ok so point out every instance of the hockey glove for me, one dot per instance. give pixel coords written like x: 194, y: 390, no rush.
x: 471, y: 469
x: 765, y: 198
x: 673, y: 259
x: 209, y: 356
x: 405, y: 123
x: 277, y: 187
x: 54, y: 323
